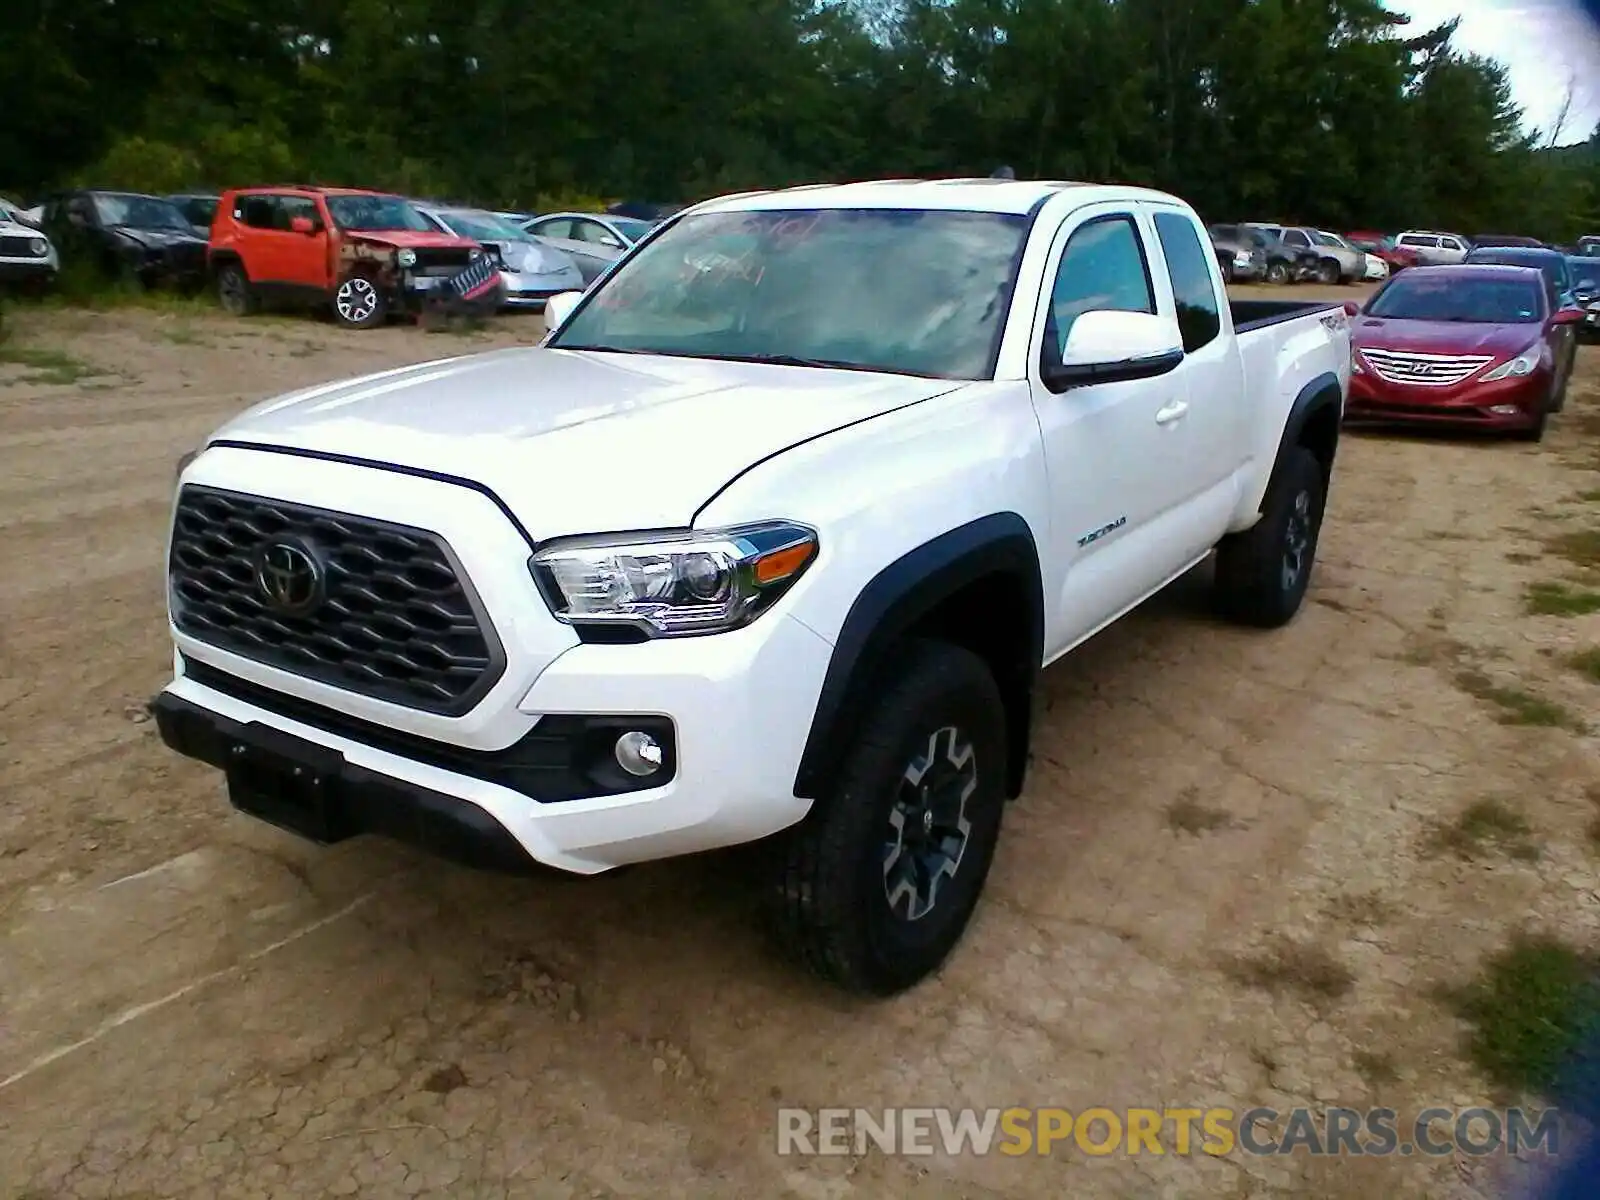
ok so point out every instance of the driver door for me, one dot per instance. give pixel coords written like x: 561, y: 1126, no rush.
x: 1101, y: 440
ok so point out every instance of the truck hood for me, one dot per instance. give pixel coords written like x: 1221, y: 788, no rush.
x: 1444, y: 337
x: 575, y: 441
x: 410, y: 239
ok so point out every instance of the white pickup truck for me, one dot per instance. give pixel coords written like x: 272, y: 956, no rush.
x: 769, y: 539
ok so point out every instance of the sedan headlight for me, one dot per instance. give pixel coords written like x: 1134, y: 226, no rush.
x: 679, y: 584
x: 1523, y: 364
x: 406, y: 258
x: 39, y: 246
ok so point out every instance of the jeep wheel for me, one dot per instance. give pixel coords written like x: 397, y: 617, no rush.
x: 234, y: 292
x: 1262, y: 574
x: 1227, y: 270
x: 1278, y: 272
x: 875, y: 887
x: 1328, y: 272
x: 359, y: 303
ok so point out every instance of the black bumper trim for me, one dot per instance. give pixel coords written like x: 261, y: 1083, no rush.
x: 354, y: 800
x: 563, y: 757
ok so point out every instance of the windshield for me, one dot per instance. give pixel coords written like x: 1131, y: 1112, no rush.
x: 1481, y: 301
x: 138, y: 212
x: 1585, y: 275
x: 1369, y: 243
x: 483, y: 226
x: 911, y: 292
x: 373, y: 213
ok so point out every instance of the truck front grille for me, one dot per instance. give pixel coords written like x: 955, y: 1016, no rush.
x: 18, y: 247
x: 378, y: 609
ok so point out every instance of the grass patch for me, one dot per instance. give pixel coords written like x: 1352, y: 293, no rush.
x: 1359, y: 908
x: 1550, y: 599
x: 1580, y: 547
x: 46, y: 366
x: 1187, y: 815
x: 1590, y: 497
x: 1295, y: 968
x: 1517, y: 707
x: 184, y: 335
x: 1521, y: 556
x: 1586, y: 663
x: 1530, y: 1008
x: 1375, y: 1068
x: 1486, y: 826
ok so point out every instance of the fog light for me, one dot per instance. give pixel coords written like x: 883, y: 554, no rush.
x: 638, y: 753
x: 1504, y: 410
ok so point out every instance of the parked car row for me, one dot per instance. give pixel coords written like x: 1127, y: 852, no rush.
x: 1252, y: 251
x: 362, y: 254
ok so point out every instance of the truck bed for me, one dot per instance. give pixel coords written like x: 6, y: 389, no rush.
x: 1258, y: 314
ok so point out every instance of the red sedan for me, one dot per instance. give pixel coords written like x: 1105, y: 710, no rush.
x: 1470, y: 347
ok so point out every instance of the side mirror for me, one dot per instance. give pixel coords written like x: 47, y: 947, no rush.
x: 1112, y: 347
x: 1352, y: 308
x: 1569, y: 316
x: 558, y: 308
x: 303, y: 225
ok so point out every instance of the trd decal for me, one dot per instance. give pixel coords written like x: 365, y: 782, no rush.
x: 1097, y: 534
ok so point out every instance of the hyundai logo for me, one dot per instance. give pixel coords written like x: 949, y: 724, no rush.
x: 289, y: 578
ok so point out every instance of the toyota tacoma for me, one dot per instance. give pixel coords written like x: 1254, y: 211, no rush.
x: 769, y: 540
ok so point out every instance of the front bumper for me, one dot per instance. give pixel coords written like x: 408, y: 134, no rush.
x: 530, y: 290
x: 1469, y: 405
x: 28, y: 270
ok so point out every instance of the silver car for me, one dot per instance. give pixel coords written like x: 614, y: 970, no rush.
x: 594, y: 240
x: 531, y: 271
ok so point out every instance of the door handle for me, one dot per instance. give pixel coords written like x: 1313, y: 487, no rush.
x: 1169, y: 414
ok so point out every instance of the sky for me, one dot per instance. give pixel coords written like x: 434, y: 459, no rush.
x: 1544, y: 44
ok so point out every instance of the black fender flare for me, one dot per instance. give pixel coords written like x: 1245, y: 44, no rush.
x: 894, y: 600
x: 1319, y: 394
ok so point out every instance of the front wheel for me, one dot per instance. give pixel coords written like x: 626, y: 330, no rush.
x: 234, y: 292
x: 359, y: 303
x: 1328, y: 272
x: 1278, y: 272
x: 876, y: 886
x: 1263, y: 573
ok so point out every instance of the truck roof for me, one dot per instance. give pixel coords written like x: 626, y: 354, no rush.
x: 964, y: 195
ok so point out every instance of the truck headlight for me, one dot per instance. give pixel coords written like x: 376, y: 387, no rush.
x: 406, y: 258
x: 678, y: 584
x: 1241, y: 258
x: 39, y: 246
x: 1522, y: 364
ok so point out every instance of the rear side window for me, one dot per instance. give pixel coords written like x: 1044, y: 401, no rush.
x: 1102, y: 269
x: 560, y: 228
x: 290, y: 207
x: 1199, y: 312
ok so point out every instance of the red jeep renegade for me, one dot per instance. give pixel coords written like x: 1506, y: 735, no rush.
x: 365, y: 254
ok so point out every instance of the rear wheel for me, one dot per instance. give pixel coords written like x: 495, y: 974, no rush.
x: 1278, y: 272
x: 1227, y: 270
x: 1263, y: 573
x: 358, y: 303
x: 875, y: 887
x: 1328, y: 272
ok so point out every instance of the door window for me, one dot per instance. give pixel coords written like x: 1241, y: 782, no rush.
x: 1296, y: 237
x: 1102, y: 269
x: 260, y: 212
x: 1199, y: 313
x: 290, y: 207
x: 595, y: 233
x: 558, y: 228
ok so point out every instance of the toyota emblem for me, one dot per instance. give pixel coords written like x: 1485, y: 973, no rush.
x: 289, y: 578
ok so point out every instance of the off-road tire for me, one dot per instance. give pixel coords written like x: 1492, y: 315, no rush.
x: 1278, y: 273
x: 359, y: 303
x: 234, y: 292
x: 830, y: 902
x: 1254, y: 585
x: 1328, y: 272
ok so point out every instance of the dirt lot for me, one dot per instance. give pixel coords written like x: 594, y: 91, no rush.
x: 1226, y: 884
